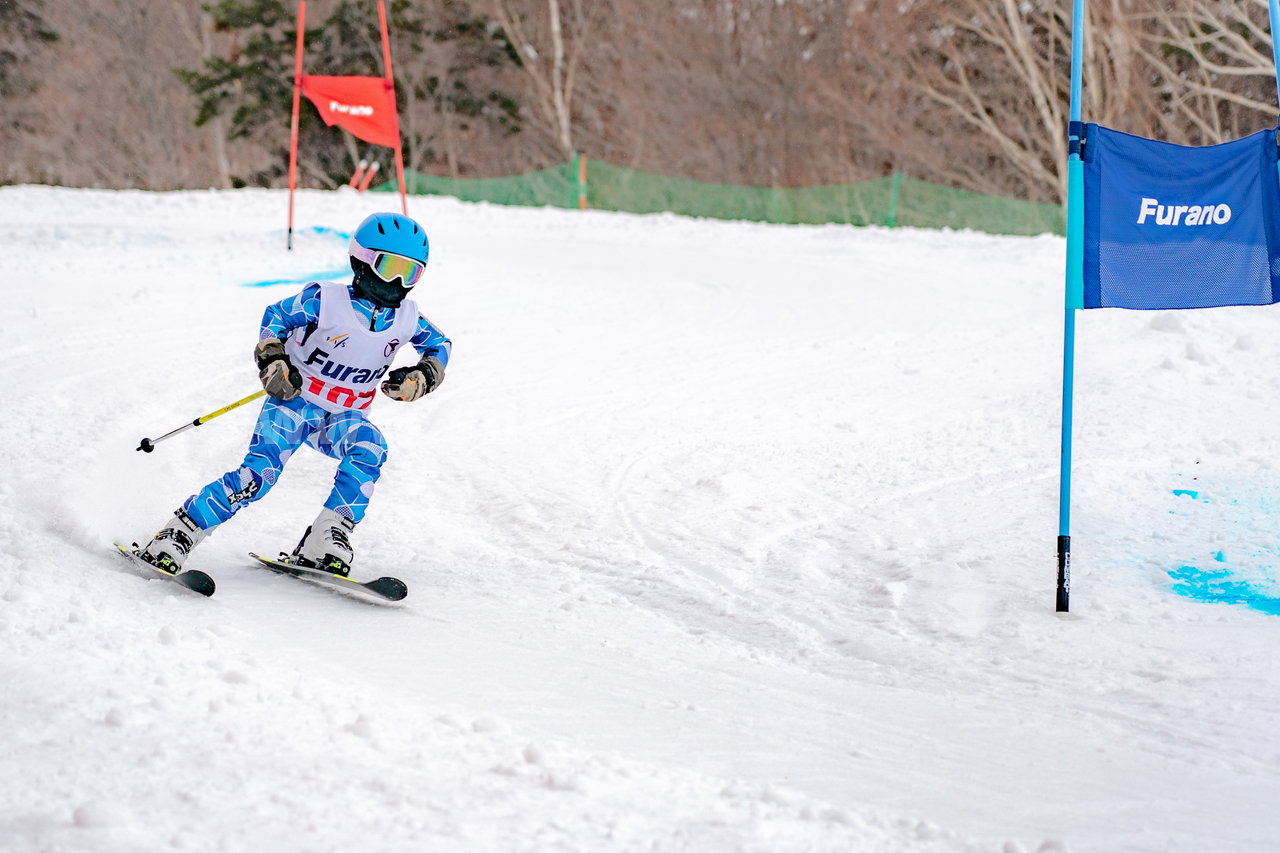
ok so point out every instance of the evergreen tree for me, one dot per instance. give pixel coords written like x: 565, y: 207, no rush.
x: 434, y: 60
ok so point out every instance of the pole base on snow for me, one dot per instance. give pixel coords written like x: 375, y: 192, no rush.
x: 1064, y: 574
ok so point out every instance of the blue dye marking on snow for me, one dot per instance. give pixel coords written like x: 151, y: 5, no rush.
x: 326, y: 275
x: 321, y: 230
x: 1217, y: 586
x: 318, y: 230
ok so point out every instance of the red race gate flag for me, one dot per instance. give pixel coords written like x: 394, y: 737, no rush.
x: 366, y: 106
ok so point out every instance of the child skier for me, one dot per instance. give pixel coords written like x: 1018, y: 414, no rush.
x: 320, y: 357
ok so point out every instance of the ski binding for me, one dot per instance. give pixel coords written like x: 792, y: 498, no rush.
x: 192, y: 579
x: 385, y: 589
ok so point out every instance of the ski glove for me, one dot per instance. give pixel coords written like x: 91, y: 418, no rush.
x: 410, y: 383
x: 281, y: 379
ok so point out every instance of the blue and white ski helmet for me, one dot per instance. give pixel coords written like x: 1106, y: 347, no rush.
x: 392, y: 234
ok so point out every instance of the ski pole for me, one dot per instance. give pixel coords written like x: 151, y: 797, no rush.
x: 149, y: 444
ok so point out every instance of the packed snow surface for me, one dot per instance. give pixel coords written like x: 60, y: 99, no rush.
x: 719, y: 537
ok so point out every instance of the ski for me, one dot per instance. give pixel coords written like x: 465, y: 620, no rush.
x: 385, y: 589
x: 192, y: 579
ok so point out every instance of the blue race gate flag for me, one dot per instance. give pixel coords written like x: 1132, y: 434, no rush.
x: 1168, y: 226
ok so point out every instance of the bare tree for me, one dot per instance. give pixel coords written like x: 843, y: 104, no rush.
x: 969, y: 93
x: 1214, y: 67
x: 116, y: 116
x: 25, y: 39
x: 197, y: 26
x: 551, y: 57
x: 990, y: 79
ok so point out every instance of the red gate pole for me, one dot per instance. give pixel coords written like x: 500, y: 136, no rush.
x: 391, y: 84
x: 358, y: 174
x: 293, y: 127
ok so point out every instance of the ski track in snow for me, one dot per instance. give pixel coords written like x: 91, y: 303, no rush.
x: 719, y: 537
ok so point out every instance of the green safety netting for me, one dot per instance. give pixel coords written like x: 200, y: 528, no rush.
x: 896, y: 200
x: 926, y: 205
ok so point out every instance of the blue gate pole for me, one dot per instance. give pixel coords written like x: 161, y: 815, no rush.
x: 1074, y: 300
x: 1273, y: 12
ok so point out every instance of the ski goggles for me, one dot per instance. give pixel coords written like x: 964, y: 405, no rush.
x: 389, y: 267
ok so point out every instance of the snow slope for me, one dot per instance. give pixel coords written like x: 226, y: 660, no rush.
x: 718, y: 537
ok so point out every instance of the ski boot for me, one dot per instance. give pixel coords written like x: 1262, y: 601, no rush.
x: 327, y: 544
x: 169, y: 548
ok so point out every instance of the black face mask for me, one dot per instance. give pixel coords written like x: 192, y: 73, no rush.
x: 367, y: 285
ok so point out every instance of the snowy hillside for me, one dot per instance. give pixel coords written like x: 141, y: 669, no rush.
x: 719, y: 537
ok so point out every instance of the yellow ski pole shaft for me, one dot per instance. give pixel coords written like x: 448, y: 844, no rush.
x: 149, y: 444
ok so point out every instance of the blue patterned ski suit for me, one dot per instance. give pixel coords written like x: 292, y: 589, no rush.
x: 285, y: 425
